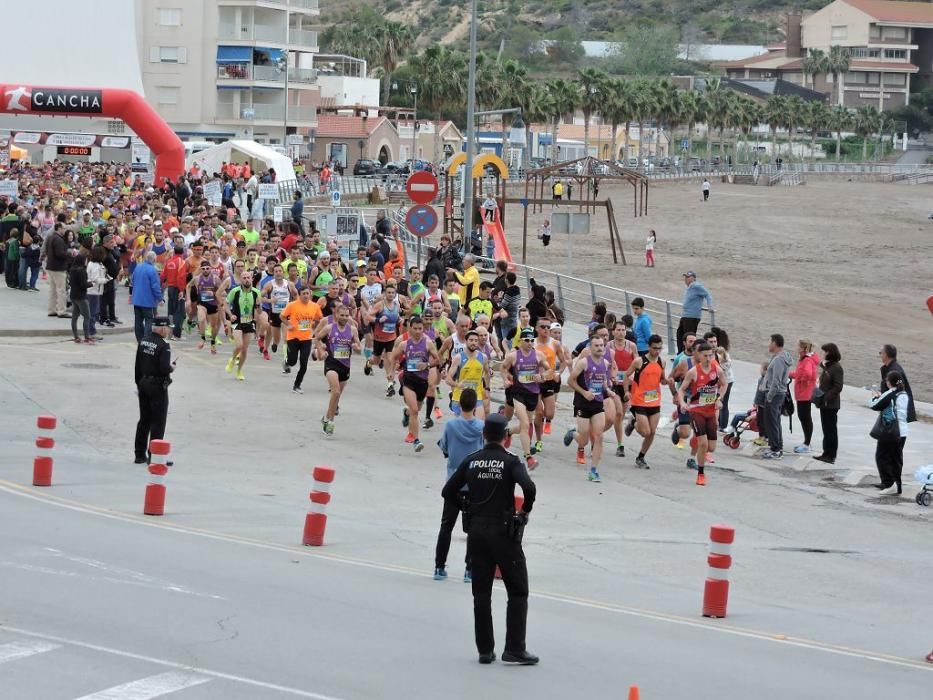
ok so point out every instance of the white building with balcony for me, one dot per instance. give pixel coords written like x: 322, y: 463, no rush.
x: 220, y: 69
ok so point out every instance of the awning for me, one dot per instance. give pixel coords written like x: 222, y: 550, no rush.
x: 234, y: 54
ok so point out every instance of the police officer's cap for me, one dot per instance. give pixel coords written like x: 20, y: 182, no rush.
x: 161, y: 322
x: 495, y: 427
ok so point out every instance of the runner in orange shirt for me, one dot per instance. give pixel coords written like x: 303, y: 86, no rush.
x: 301, y: 316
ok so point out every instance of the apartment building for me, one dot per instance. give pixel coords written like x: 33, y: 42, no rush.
x: 220, y: 69
x: 889, y: 43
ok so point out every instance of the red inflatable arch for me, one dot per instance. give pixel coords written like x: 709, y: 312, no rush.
x: 102, y: 102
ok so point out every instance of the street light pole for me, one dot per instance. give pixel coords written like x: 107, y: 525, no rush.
x: 414, y: 127
x: 471, y: 130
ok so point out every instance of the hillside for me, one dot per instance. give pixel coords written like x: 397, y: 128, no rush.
x: 520, y: 23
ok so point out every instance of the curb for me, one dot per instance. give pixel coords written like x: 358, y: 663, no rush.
x: 55, y: 332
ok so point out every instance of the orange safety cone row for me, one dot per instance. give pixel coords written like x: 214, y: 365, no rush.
x: 633, y: 693
x: 154, y: 502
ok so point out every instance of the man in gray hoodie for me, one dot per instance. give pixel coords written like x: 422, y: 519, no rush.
x: 775, y: 388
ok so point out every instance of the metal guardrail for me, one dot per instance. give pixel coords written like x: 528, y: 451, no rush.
x: 573, y: 295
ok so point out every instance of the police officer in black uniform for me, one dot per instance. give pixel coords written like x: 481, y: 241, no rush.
x: 154, y: 366
x: 495, y: 538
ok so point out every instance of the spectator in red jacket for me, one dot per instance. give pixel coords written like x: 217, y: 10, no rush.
x: 174, y: 279
x: 804, y: 376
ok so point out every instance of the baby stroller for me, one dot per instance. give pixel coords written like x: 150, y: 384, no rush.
x: 739, y: 425
x: 924, y: 475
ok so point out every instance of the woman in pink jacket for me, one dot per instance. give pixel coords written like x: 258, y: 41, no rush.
x: 805, y: 377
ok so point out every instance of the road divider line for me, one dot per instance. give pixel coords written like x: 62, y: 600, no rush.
x: 22, y: 650
x: 916, y: 664
x: 149, y: 688
x: 163, y: 662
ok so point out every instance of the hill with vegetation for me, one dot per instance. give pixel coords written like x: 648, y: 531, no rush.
x: 518, y: 25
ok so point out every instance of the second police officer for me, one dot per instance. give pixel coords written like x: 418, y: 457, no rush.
x: 495, y: 539
x: 154, y: 366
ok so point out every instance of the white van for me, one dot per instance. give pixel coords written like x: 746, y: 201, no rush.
x: 192, y: 147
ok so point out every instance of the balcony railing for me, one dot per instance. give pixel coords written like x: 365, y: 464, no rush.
x: 303, y: 38
x: 247, y: 71
x: 302, y: 75
x: 266, y: 112
x: 250, y: 32
x: 272, y: 73
x: 234, y: 71
x: 306, y: 4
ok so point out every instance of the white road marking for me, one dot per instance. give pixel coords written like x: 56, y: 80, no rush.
x: 21, y: 650
x: 188, y: 670
x: 761, y: 635
x: 151, y: 687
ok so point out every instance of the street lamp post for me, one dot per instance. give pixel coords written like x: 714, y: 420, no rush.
x: 471, y: 128
x: 414, y: 126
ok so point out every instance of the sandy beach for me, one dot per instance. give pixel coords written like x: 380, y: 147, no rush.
x: 847, y: 262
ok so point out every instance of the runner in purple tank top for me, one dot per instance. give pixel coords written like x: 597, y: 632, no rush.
x: 591, y: 380
x: 336, y: 341
x: 415, y: 354
x: 522, y: 370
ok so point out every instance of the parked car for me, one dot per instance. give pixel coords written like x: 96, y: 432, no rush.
x: 716, y: 161
x: 632, y: 163
x: 367, y: 167
x: 396, y: 168
x: 694, y: 164
x: 539, y: 162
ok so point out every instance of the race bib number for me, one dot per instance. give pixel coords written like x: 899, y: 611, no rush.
x: 707, y: 399
x: 526, y: 376
x: 597, y: 388
x: 207, y: 295
x: 304, y: 325
x: 246, y: 318
x: 341, y: 353
x: 470, y: 384
x: 278, y: 306
x: 620, y: 376
x: 412, y: 364
x: 652, y: 396
x: 388, y: 328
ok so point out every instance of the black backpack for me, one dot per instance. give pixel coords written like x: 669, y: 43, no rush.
x: 788, y: 408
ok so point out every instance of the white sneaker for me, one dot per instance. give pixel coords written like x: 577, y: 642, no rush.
x: 802, y: 450
x: 890, y: 491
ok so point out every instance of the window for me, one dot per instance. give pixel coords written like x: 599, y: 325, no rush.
x: 170, y: 17
x: 895, y: 79
x: 894, y: 32
x: 899, y: 54
x: 840, y: 31
x: 855, y: 78
x: 874, y: 31
x: 873, y: 78
x: 168, y: 54
x: 167, y: 95
x: 863, y: 52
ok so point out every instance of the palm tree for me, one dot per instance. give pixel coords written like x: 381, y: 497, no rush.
x: 693, y: 109
x: 535, y: 102
x: 513, y: 82
x: 817, y: 119
x: 775, y: 114
x: 592, y: 94
x: 439, y: 73
x: 667, y: 97
x: 837, y: 63
x: 393, y: 41
x: 716, y: 95
x: 814, y: 64
x: 644, y: 107
x: 564, y: 99
x: 618, y: 110
x: 867, y: 121
x: 840, y: 117
x: 746, y: 115
x: 795, y: 116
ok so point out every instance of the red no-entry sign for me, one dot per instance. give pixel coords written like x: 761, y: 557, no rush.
x: 421, y: 187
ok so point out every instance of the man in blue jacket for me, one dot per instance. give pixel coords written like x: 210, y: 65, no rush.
x: 694, y: 296
x: 642, y: 327
x: 147, y: 293
x: 462, y: 437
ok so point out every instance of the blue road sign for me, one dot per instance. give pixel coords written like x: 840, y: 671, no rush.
x: 421, y: 220
x: 335, y: 198
x: 524, y: 201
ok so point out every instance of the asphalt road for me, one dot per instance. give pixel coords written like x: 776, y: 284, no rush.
x: 218, y: 600
x: 93, y: 603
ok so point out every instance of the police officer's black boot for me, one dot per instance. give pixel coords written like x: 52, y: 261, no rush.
x: 487, y: 658
x: 518, y: 657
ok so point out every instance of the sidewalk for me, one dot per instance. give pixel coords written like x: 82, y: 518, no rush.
x: 855, y: 463
x: 25, y: 314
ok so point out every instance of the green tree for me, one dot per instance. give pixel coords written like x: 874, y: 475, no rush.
x: 814, y: 64
x: 837, y: 63
x: 717, y: 113
x: 592, y: 84
x: 439, y: 72
x: 840, y: 119
x: 536, y: 107
x: 817, y: 119
x: 649, y: 50
x: 393, y: 40
x: 795, y: 116
x: 866, y: 122
x: 775, y: 114
x: 564, y: 99
x: 618, y: 109
x: 513, y: 82
x: 693, y: 109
